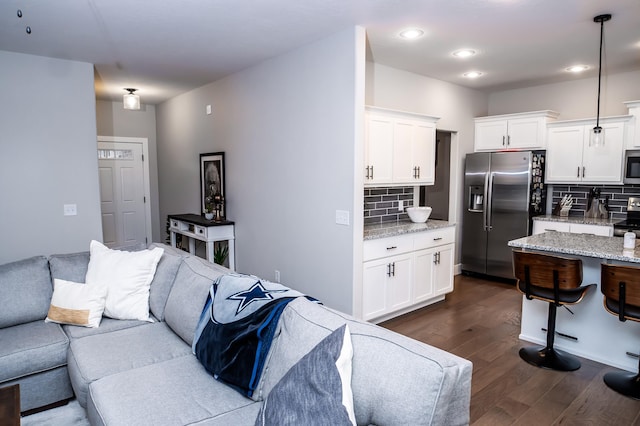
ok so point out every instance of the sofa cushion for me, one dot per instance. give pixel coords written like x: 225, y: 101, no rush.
x: 189, y: 294
x: 127, y: 275
x: 163, y: 281
x: 101, y: 355
x: 70, y: 267
x: 442, y: 380
x: 76, y: 303
x: 317, y: 390
x: 26, y: 291
x: 175, y: 392
x: 31, y: 348
x: 107, y: 325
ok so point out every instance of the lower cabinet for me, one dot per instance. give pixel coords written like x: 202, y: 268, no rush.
x: 400, y: 282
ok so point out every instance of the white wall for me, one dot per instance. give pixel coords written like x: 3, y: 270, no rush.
x: 114, y: 120
x: 48, y: 156
x: 287, y: 127
x: 456, y: 105
x: 572, y: 99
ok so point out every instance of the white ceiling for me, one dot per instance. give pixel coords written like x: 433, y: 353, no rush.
x: 167, y: 47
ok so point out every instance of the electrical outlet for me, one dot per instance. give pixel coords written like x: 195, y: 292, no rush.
x: 208, y: 110
x: 342, y: 217
x: 277, y: 276
x: 400, y: 205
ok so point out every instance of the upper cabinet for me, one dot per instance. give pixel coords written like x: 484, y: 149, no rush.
x: 399, y: 148
x: 570, y: 159
x: 633, y: 126
x: 512, y: 131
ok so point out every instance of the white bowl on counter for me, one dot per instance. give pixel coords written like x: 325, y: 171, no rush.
x: 419, y: 214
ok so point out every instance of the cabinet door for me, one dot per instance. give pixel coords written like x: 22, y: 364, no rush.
x: 378, y: 150
x: 604, y: 164
x: 424, y: 263
x: 399, y: 283
x: 491, y: 135
x: 374, y: 294
x: 443, y: 270
x: 526, y: 133
x: 403, y: 136
x: 424, y: 152
x: 564, y: 154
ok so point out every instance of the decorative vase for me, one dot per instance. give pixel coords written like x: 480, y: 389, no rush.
x: 208, y: 216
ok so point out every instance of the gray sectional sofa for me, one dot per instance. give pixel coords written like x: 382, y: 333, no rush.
x: 136, y: 372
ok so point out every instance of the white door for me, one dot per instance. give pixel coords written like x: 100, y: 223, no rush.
x: 122, y: 193
x: 491, y: 135
x: 525, y: 133
x: 564, y: 154
x: 379, y: 149
x: 604, y: 164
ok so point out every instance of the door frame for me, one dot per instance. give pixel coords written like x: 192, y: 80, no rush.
x: 145, y: 171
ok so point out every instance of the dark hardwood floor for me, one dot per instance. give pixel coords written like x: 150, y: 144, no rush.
x: 480, y: 321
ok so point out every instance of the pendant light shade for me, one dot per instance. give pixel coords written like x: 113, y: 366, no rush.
x: 131, y: 100
x: 596, y: 138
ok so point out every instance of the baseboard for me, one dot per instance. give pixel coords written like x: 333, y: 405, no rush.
x: 457, y: 269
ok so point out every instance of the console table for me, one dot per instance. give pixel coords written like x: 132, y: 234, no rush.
x: 196, y: 227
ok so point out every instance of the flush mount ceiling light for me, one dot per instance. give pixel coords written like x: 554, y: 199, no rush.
x: 464, y: 53
x: 411, y: 33
x: 472, y: 74
x: 596, y: 138
x: 131, y: 100
x: 577, y: 68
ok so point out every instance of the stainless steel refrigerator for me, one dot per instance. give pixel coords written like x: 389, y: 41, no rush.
x: 502, y: 192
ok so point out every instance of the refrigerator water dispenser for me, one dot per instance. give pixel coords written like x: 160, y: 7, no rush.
x: 476, y: 198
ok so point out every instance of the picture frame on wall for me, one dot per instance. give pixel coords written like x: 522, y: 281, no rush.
x: 212, y: 182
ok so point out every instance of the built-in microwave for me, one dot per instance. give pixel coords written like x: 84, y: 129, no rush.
x: 632, y: 166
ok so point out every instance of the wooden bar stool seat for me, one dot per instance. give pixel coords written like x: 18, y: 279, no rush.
x: 620, y: 286
x: 558, y: 281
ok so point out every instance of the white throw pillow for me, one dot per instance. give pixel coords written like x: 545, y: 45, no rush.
x: 127, y: 277
x: 76, y: 303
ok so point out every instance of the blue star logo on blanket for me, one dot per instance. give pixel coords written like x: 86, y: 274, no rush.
x: 256, y: 293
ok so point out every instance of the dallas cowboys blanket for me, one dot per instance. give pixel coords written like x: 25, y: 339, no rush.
x: 236, y: 328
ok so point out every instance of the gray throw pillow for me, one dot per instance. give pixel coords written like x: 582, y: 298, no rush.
x: 316, y: 390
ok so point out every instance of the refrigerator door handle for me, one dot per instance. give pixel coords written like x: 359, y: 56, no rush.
x: 489, y: 207
x: 485, y: 203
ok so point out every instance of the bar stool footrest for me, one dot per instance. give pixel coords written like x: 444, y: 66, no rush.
x: 628, y: 384
x: 550, y: 358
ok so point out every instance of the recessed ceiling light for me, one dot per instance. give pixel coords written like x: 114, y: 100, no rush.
x: 472, y: 74
x: 577, y: 68
x: 464, y: 53
x: 411, y: 33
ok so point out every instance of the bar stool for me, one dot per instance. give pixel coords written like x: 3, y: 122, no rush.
x: 556, y: 280
x: 621, y: 288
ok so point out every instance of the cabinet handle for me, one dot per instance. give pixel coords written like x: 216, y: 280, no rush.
x: 508, y: 140
x: 371, y: 173
x: 393, y: 271
x: 418, y: 172
x: 503, y: 140
x: 388, y: 269
x: 392, y: 247
x: 437, y: 239
x: 438, y: 257
x: 550, y: 230
x: 583, y: 171
x: 578, y: 175
x: 367, y: 173
x: 435, y: 258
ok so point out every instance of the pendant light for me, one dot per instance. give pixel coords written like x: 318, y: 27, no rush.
x: 131, y: 100
x: 596, y: 138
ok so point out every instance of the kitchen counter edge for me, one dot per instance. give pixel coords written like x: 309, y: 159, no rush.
x: 392, y: 229
x: 578, y: 219
x: 605, y: 248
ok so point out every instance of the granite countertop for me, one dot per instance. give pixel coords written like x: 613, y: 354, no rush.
x: 579, y: 219
x: 587, y: 245
x: 391, y: 229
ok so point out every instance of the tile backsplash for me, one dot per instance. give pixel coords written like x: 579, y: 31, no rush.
x: 618, y: 196
x: 381, y: 204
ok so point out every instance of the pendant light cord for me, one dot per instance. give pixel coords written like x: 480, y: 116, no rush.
x: 600, y: 72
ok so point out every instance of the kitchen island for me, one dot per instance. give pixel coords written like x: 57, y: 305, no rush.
x: 585, y: 329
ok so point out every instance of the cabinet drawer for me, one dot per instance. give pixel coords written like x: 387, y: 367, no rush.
x: 437, y: 237
x: 200, y: 231
x: 540, y: 226
x: 383, y: 247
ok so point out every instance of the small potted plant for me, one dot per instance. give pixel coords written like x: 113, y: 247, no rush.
x: 208, y: 208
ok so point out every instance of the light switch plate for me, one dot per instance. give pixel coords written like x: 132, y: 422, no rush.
x: 342, y: 217
x: 70, y: 209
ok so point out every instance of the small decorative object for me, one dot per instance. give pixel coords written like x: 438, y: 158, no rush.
x: 629, y: 240
x: 563, y: 206
x: 212, y: 185
x: 596, y: 137
x: 419, y: 214
x: 220, y: 253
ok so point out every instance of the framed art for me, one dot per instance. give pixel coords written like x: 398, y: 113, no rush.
x: 212, y: 184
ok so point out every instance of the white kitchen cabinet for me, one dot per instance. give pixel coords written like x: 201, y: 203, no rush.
x: 633, y: 127
x: 406, y: 272
x: 540, y: 226
x: 512, y: 131
x: 399, y: 148
x: 570, y: 159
